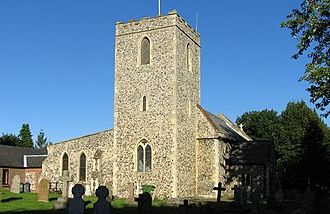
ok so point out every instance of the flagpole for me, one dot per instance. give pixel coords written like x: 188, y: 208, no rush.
x: 158, y: 7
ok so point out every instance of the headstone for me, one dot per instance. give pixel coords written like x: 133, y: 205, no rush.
x: 243, y: 198
x: 255, y: 199
x: 102, y: 205
x: 237, y: 196
x: 309, y: 197
x: 62, y: 201
x: 15, y: 184
x: 88, y: 191
x: 130, y: 198
x: 77, y: 204
x: 185, y: 207
x: 43, y: 190
x: 144, y: 203
x: 70, y: 188
x: 66, y: 179
x: 109, y: 186
x: 279, y: 197
x: 219, y: 188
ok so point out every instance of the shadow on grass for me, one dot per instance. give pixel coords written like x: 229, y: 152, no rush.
x: 11, y: 199
x: 126, y: 210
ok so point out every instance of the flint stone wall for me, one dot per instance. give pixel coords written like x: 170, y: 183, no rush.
x: 52, y: 165
x: 156, y: 125
x: 165, y: 125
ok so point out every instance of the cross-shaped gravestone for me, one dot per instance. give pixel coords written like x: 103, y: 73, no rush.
x: 65, y: 179
x: 219, y: 188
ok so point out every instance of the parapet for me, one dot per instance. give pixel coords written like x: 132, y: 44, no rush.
x: 158, y: 22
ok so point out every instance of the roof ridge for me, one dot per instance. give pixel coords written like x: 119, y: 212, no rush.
x: 83, y: 136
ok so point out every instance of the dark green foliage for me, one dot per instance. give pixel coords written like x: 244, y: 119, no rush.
x: 301, y: 148
x: 25, y: 136
x: 310, y: 24
x: 259, y: 125
x: 301, y: 141
x: 41, y: 141
x: 9, y: 139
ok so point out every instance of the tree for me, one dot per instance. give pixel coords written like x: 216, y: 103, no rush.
x: 302, y: 147
x: 9, y: 139
x: 41, y: 141
x: 25, y: 136
x: 260, y: 125
x: 300, y: 138
x: 310, y: 24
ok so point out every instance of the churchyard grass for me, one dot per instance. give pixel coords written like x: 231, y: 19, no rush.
x: 16, y: 203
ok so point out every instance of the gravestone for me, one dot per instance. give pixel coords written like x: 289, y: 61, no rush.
x: 130, y: 198
x: 88, y: 191
x: 70, y: 188
x: 243, y: 199
x: 43, y: 190
x: 109, y: 186
x: 185, y: 208
x: 308, y: 201
x: 102, y: 205
x: 15, y: 184
x: 255, y: 199
x: 66, y: 179
x: 219, y: 188
x: 279, y: 197
x: 144, y: 203
x: 62, y: 201
x: 77, y: 204
x: 237, y: 196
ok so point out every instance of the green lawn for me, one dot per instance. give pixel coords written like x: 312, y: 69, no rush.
x: 28, y: 203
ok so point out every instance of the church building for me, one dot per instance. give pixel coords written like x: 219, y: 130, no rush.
x: 162, y: 136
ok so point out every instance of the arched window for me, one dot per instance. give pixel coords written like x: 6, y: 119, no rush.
x: 145, y: 51
x: 65, y: 162
x: 189, y: 60
x: 144, y: 103
x: 140, y: 158
x: 148, y: 159
x: 82, y: 167
x: 144, y: 157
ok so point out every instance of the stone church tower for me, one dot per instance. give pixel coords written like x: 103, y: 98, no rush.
x: 162, y: 136
x: 157, y: 89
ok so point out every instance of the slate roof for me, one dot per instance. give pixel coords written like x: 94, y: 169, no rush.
x: 12, y: 156
x: 225, y: 128
x: 252, y: 153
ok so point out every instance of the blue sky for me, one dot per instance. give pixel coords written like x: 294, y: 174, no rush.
x: 57, y: 59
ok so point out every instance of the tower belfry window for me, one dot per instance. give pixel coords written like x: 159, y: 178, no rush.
x: 189, y: 57
x: 145, y: 51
